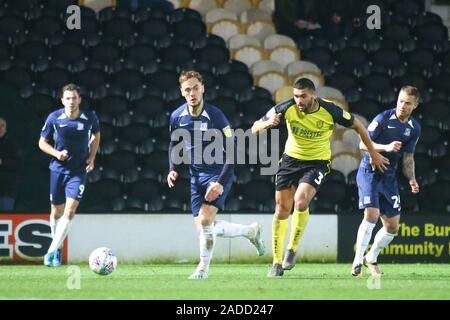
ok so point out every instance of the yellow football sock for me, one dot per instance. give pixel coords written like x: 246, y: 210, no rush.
x: 279, y: 230
x: 298, y: 224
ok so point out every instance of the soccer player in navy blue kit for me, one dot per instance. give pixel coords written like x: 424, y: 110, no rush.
x: 210, y: 182
x: 76, y: 136
x: 394, y: 133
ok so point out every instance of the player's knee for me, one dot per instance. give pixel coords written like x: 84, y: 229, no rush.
x: 281, y: 211
x: 205, y: 221
x: 392, y: 229
x: 301, y: 204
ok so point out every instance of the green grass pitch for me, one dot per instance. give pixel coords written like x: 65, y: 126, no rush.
x: 225, y: 282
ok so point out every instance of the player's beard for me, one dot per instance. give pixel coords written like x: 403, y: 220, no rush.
x: 310, y: 105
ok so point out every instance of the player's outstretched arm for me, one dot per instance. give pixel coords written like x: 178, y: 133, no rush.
x: 394, y: 146
x: 261, y: 124
x: 48, y: 149
x: 408, y: 171
x: 377, y: 160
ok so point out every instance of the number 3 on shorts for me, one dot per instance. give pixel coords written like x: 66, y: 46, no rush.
x: 319, y: 179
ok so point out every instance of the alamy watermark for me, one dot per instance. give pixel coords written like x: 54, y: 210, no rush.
x: 191, y: 149
x: 74, y: 279
x: 74, y: 20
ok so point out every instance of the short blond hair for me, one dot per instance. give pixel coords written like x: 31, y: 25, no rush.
x: 189, y: 74
x: 411, y: 91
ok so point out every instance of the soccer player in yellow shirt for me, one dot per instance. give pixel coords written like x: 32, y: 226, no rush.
x: 305, y: 162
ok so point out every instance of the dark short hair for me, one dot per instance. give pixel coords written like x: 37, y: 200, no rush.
x: 304, y: 83
x: 186, y: 75
x: 411, y: 91
x: 70, y: 87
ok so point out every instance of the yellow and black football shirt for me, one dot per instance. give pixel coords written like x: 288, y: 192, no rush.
x: 309, y: 133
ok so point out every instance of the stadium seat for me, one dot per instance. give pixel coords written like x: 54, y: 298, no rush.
x: 412, y: 78
x: 226, y: 28
x: 153, y: 28
x: 260, y: 29
x: 265, y: 190
x: 367, y: 108
x: 276, y: 40
x: 190, y: 28
x: 174, y: 204
x: 121, y: 160
x: 54, y: 78
x: 422, y: 61
x: 232, y: 204
x: 31, y: 50
x: 322, y: 57
x: 248, y: 54
x: 118, y: 28
x: 251, y: 15
x: 260, y: 67
x: 177, y: 54
x: 431, y: 34
x: 181, y: 14
x: 136, y: 132
x: 40, y: 105
x: 17, y: 76
x: 158, y: 162
x: 11, y: 24
x: 237, y: 81
x: 213, y: 55
x: 342, y: 81
x: 91, y: 78
x: 143, y: 189
x: 345, y: 162
x: 272, y: 81
x: 296, y: 67
x: 46, y: 25
x: 228, y: 105
x: 326, y: 92
x: 333, y: 191
x: 284, y: 55
x: 240, y: 40
x: 202, y: 6
x: 105, y: 53
x: 283, y: 94
x: 218, y: 14
x: 352, y: 60
x: 237, y: 6
x: 316, y: 78
x: 388, y: 58
x: 104, y: 190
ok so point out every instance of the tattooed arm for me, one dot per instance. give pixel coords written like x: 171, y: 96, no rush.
x: 408, y: 171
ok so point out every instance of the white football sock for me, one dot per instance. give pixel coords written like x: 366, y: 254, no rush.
x: 227, y: 229
x: 53, y: 224
x: 362, y: 240
x: 382, y: 239
x: 207, y: 242
x: 62, y: 229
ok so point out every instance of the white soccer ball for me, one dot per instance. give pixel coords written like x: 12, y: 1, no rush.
x: 102, y: 261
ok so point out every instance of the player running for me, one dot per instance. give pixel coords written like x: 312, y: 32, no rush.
x: 395, y: 133
x: 306, y: 160
x: 76, y: 135
x: 210, y: 183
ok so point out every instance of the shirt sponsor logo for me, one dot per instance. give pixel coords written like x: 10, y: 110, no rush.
x: 80, y: 126
x: 407, y: 132
x: 366, y: 199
